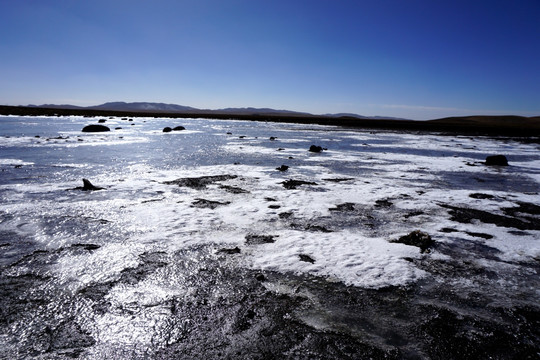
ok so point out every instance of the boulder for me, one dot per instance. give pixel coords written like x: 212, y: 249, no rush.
x: 315, y: 149
x: 167, y: 129
x: 179, y: 128
x: 282, y: 168
x: 95, y: 128
x: 101, y: 121
x: 87, y: 186
x: 497, y: 160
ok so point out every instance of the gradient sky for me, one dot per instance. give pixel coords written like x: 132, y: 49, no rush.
x: 406, y: 58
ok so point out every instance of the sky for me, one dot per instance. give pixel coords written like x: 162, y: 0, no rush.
x: 417, y: 59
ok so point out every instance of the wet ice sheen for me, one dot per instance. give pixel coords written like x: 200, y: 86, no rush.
x: 138, y: 212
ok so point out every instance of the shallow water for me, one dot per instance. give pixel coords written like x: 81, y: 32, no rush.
x: 111, y: 266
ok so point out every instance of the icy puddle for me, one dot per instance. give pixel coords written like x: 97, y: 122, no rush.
x: 232, y: 240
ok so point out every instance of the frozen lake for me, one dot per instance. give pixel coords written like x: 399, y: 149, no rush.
x: 198, y: 244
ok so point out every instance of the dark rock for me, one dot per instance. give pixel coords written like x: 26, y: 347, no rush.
x: 281, y: 149
x: 208, y: 204
x: 242, y: 137
x: 178, y: 128
x: 315, y: 149
x: 319, y: 228
x: 383, y: 203
x: 200, y: 182
x: 479, y: 235
x: 89, y: 247
x: 338, y: 180
x: 95, y: 128
x: 467, y: 215
x: 481, y: 196
x: 101, y: 121
x: 293, y: 184
x: 343, y: 207
x: 167, y: 129
x: 229, y: 133
x: 272, y: 138
x: 269, y: 199
x: 69, y: 336
x: 232, y: 251
x: 497, y: 160
x: 282, y: 168
x: 118, y: 128
x: 260, y: 277
x: 285, y: 215
x: 274, y: 206
x: 306, y: 258
x: 87, y: 186
x: 448, y: 230
x: 523, y: 208
x: 260, y: 239
x: 417, y: 238
x: 233, y: 189
x: 413, y: 213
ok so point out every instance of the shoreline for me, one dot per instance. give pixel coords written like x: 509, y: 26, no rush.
x: 505, y: 125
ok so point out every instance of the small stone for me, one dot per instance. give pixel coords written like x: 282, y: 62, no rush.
x: 496, y: 160
x: 306, y: 258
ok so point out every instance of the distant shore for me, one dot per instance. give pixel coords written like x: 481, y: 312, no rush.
x: 507, y: 125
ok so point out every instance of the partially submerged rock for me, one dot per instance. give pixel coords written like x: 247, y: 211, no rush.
x: 306, y: 258
x: 178, y: 128
x: 87, y: 186
x: 208, y: 204
x: 315, y: 149
x: 293, y: 184
x: 95, y: 128
x: 417, y: 238
x: 200, y: 182
x: 496, y: 160
x: 260, y: 239
x: 235, y: 250
x: 167, y: 129
x: 233, y: 189
x: 282, y: 168
x: 344, y: 207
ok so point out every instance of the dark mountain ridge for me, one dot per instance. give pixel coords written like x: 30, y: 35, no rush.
x: 171, y: 108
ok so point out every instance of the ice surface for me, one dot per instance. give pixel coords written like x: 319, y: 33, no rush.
x: 394, y: 183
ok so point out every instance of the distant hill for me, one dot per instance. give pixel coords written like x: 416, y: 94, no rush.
x: 349, y: 115
x: 142, y: 106
x: 172, y: 108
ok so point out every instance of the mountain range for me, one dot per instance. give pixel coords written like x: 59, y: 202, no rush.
x: 172, y: 108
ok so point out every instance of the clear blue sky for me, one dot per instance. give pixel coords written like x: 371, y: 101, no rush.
x: 408, y: 58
